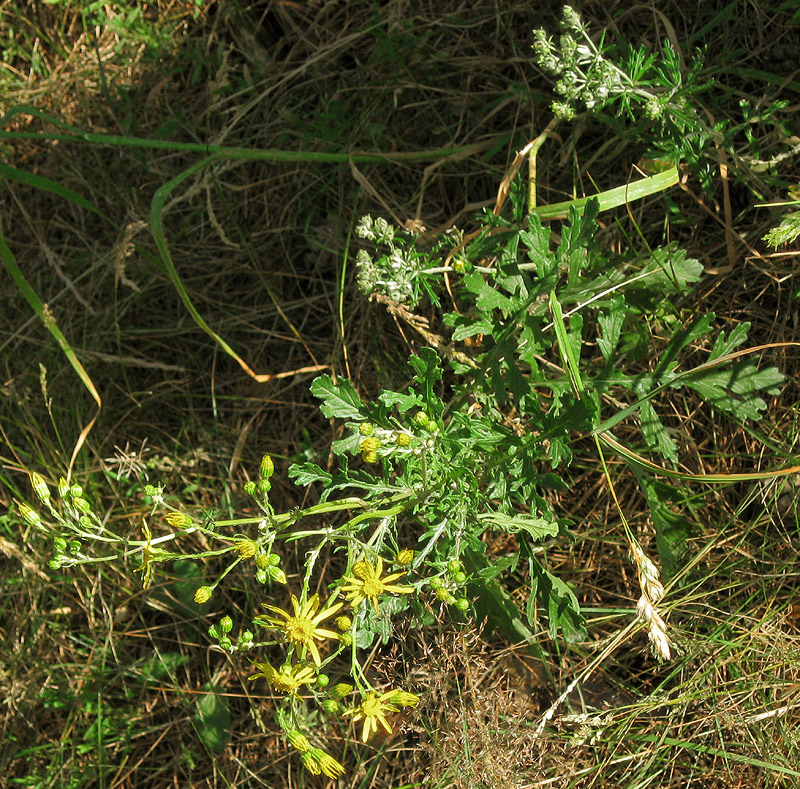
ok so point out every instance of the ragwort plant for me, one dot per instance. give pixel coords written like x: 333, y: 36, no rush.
x: 484, y: 459
x: 559, y: 331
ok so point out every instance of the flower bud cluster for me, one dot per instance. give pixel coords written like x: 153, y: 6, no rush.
x: 268, y: 568
x: 584, y: 75
x: 450, y: 587
x: 379, y: 442
x: 73, y: 513
x: 394, y: 272
x: 65, y: 553
x: 259, y: 489
x: 220, y: 633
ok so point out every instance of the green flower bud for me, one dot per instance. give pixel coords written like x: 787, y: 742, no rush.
x: 404, y: 557
x: 277, y: 575
x: 74, y: 547
x: 264, y: 486
x: 261, y: 576
x: 29, y: 514
x: 563, y: 110
x: 369, y: 449
x: 403, y: 698
x: 403, y: 440
x: 245, y: 549
x: 39, y: 486
x: 345, y: 639
x: 225, y: 642
x: 460, y: 578
x: 85, y: 522
x: 436, y: 583
x: 366, y: 429
x: 298, y: 740
x: 76, y: 491
x: 262, y: 561
x: 82, y: 505
x: 59, y: 544
x: 344, y: 623
x: 63, y: 488
x: 340, y: 690
x: 331, y: 706
x: 454, y: 565
x: 267, y: 467
x: 178, y: 520
x: 203, y: 594
x: 245, y: 639
x: 422, y: 419
x: 323, y: 680
x: 226, y: 624
x: 274, y: 559
x: 250, y: 487
x: 214, y: 632
x: 442, y: 594
x: 462, y: 604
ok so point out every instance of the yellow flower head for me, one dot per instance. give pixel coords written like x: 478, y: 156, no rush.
x: 317, y: 761
x: 302, y: 627
x: 286, y: 679
x: 373, y: 710
x: 368, y: 584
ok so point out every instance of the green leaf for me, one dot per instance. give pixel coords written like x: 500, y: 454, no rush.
x: 305, y: 474
x: 655, y: 434
x: 577, y: 239
x: 487, y: 298
x: 213, y: 719
x: 610, y: 321
x: 537, y: 241
x: 428, y: 371
x: 786, y: 232
x: 340, y: 401
x: 733, y: 389
x: 535, y: 527
x: 563, y: 609
x: 403, y: 402
x: 493, y: 603
x: 672, y: 529
x: 672, y: 272
x: 723, y: 346
x: 467, y: 327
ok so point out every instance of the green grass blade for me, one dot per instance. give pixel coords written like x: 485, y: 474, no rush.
x: 612, y: 198
x: 568, y: 359
x: 46, y: 185
x: 157, y: 228
x: 252, y: 154
x: 49, y: 321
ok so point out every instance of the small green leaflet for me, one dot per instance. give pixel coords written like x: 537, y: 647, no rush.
x: 563, y: 609
x: 536, y: 528
x: 340, y: 401
x: 610, y: 323
x: 213, y: 719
